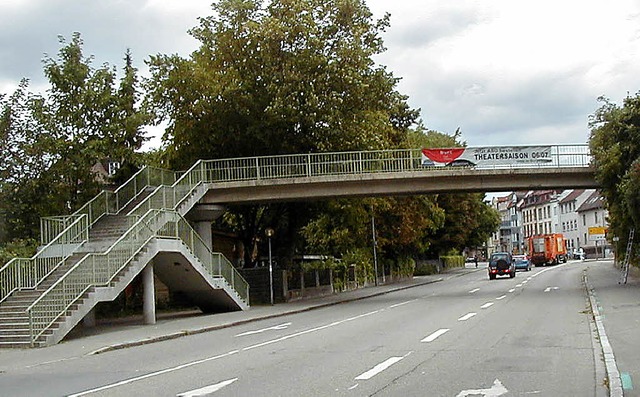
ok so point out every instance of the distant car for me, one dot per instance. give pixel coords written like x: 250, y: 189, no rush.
x: 501, y: 264
x: 522, y: 262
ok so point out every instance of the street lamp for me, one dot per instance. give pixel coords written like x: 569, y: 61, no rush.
x: 375, y: 253
x: 270, y: 232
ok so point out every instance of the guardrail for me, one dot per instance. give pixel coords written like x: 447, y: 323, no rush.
x: 340, y: 163
x: 110, y: 202
x: 27, y: 273
x: 99, y: 270
x: 19, y: 272
x: 322, y: 164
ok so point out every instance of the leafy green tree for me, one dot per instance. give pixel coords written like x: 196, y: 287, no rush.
x: 615, y: 146
x: 51, y: 142
x: 293, y: 76
x: 468, y: 221
x: 279, y: 77
x: 87, y: 119
x: 24, y: 193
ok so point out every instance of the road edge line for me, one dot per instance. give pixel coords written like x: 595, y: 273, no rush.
x: 613, y: 375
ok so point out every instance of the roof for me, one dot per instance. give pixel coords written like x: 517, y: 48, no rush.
x: 572, y: 196
x: 594, y: 201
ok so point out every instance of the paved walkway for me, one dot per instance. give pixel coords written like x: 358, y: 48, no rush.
x: 617, y: 306
x: 617, y: 309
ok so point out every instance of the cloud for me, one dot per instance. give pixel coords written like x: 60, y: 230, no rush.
x: 504, y: 71
x: 108, y: 29
x: 514, y: 72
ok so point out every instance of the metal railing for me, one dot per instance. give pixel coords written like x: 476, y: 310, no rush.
x: 216, y: 264
x: 100, y: 270
x: 110, y: 202
x: 62, y: 232
x: 27, y: 273
x: 341, y: 163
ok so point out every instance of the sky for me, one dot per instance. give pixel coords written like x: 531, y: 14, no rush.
x: 505, y: 72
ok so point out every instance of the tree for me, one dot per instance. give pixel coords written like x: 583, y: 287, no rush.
x: 51, y: 142
x: 24, y: 190
x: 293, y: 76
x: 615, y: 146
x: 468, y: 221
x: 279, y: 77
x: 87, y: 119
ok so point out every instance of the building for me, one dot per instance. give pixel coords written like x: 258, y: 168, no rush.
x: 540, y: 212
x: 569, y: 219
x: 593, y: 214
x: 570, y: 212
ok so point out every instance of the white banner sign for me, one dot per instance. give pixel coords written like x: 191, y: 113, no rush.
x: 487, y: 156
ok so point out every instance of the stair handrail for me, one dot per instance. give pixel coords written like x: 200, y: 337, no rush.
x: 28, y: 273
x: 216, y: 264
x: 172, y: 196
x: 90, y: 272
x: 84, y: 275
x: 111, y: 202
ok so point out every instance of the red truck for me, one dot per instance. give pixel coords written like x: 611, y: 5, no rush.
x: 547, y: 249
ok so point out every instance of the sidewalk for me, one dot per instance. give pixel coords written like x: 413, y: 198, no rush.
x: 122, y: 333
x: 617, y: 309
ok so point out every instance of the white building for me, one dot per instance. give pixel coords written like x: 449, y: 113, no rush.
x: 570, y: 212
x: 569, y: 219
x: 592, y: 213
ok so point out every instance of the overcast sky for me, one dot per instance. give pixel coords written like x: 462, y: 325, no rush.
x: 504, y: 71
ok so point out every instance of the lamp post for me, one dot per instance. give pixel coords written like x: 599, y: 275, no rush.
x: 269, y: 232
x: 375, y: 253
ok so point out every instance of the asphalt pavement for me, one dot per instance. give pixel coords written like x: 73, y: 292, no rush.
x: 616, y: 312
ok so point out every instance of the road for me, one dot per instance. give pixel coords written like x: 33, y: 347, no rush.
x: 465, y: 336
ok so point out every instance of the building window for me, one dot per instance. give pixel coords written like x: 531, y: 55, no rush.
x: 114, y: 166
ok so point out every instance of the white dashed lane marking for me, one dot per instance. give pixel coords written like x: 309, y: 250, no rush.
x: 435, y: 335
x: 467, y: 316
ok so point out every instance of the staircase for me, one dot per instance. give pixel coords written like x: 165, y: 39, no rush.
x: 102, y: 248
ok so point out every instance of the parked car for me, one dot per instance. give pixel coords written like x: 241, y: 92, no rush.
x: 522, y: 262
x: 501, y: 264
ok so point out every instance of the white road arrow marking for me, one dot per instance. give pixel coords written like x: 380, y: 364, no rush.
x: 549, y: 289
x: 207, y: 390
x: 435, y: 335
x: 274, y: 328
x: 496, y: 390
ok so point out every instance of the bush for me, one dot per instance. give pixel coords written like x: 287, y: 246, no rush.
x: 450, y: 261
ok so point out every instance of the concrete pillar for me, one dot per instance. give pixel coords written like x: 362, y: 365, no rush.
x: 203, y: 228
x: 202, y: 216
x: 149, y: 297
x: 89, y: 321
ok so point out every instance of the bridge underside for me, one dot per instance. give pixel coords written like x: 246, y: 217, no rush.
x: 448, y: 180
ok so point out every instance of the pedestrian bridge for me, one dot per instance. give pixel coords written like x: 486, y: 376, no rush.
x: 159, y: 223
x: 380, y: 173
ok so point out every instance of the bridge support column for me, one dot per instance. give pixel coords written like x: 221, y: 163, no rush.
x: 149, y: 297
x: 202, y: 215
x: 203, y: 228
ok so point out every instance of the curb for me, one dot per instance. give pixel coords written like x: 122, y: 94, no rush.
x: 613, y: 375
x: 201, y: 330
